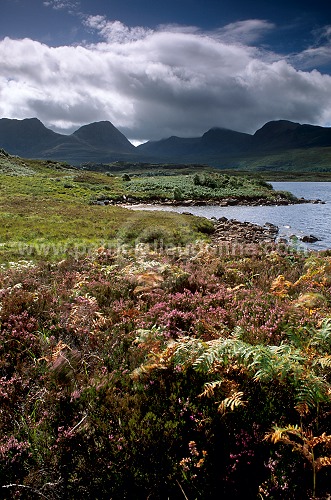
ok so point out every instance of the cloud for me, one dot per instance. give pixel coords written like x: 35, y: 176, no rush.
x: 156, y: 83
x: 245, y: 32
x: 318, y: 54
x: 115, y: 31
x: 62, y: 4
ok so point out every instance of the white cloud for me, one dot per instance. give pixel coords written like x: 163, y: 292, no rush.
x: 245, y: 32
x: 115, y: 31
x: 62, y: 4
x: 318, y: 54
x: 156, y: 83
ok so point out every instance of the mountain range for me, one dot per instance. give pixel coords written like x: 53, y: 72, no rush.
x: 29, y: 138
x: 101, y: 142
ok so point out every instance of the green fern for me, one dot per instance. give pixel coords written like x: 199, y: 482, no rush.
x: 321, y: 339
x: 311, y: 390
x: 186, y: 351
x: 217, y: 350
x: 300, y: 369
x: 222, y: 351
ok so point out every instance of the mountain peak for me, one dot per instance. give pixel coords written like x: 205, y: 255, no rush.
x: 277, y: 127
x: 104, y: 134
x: 25, y: 123
x: 283, y: 134
x: 21, y: 136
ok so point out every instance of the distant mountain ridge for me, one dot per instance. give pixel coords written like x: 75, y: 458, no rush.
x: 102, y: 142
x: 214, y: 141
x: 272, y: 137
x: 29, y: 138
x: 103, y: 135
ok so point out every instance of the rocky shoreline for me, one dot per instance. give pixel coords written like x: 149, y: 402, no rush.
x: 229, y: 230
x: 224, y: 202
x: 232, y: 230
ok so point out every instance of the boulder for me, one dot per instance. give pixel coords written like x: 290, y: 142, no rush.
x: 309, y: 239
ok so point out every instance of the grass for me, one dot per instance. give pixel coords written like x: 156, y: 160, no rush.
x: 298, y: 160
x: 297, y: 166
x: 50, y: 211
x: 282, y: 176
x: 49, y: 208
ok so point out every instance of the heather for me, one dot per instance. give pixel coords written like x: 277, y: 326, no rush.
x: 182, y: 372
x: 137, y: 360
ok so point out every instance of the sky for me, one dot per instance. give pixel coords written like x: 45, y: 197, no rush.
x: 157, y: 69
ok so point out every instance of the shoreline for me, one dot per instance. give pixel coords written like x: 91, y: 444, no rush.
x: 234, y: 231
x: 229, y: 201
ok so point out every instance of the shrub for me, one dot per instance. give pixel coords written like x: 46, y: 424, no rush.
x: 163, y: 374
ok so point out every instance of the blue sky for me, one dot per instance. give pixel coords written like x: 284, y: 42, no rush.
x: 156, y: 69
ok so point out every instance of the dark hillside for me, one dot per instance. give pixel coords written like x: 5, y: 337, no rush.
x: 220, y: 140
x: 282, y: 135
x: 28, y: 137
x: 103, y: 135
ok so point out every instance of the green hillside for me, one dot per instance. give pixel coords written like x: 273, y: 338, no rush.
x: 297, y: 160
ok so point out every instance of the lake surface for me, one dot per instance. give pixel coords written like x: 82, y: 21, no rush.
x: 297, y: 220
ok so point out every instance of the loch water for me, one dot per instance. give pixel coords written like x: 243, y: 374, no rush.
x: 294, y: 221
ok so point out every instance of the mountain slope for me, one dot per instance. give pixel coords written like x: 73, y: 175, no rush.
x: 272, y: 137
x: 278, y: 144
x: 103, y: 135
x: 214, y: 141
x: 224, y: 141
x: 94, y: 142
x: 168, y: 147
x: 282, y: 134
x: 27, y: 137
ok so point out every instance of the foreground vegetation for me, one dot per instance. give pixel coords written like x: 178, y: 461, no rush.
x: 137, y: 361
x: 142, y: 374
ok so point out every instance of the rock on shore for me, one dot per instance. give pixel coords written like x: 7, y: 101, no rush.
x: 232, y: 230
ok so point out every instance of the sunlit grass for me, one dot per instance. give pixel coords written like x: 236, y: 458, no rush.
x: 50, y: 213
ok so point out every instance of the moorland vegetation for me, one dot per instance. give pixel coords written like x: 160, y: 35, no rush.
x: 143, y: 375
x: 135, y: 370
